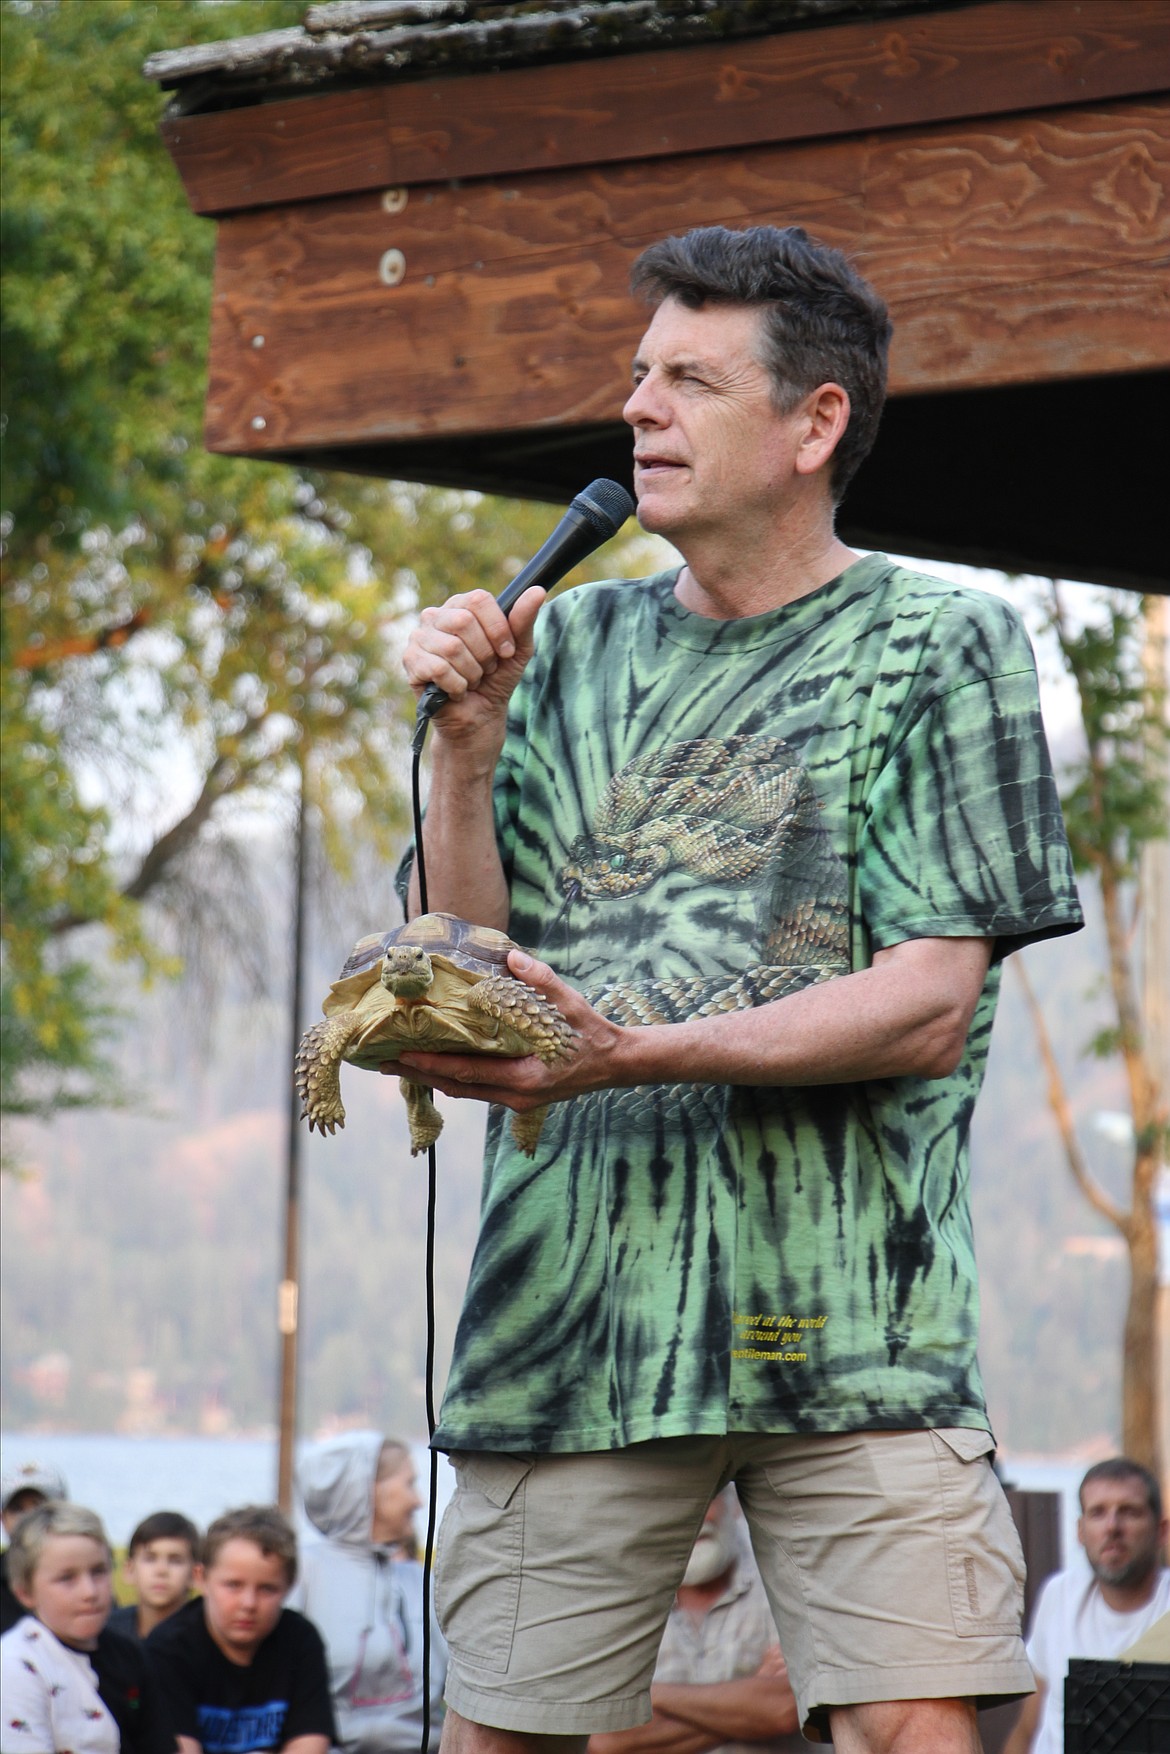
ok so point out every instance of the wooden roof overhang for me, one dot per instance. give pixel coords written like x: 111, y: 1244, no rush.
x: 423, y: 274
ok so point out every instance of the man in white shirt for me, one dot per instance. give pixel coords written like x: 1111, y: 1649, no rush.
x: 1102, y: 1611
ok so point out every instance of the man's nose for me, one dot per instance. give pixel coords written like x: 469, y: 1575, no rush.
x: 643, y: 406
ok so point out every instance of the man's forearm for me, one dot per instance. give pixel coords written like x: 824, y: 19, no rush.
x: 897, y: 1018
x: 476, y: 655
x: 754, y: 1708
x: 464, y: 873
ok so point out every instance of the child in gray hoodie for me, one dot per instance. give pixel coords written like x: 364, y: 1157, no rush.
x: 365, y: 1598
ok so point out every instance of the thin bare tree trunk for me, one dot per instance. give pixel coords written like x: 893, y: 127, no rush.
x: 1155, y: 965
x: 1061, y: 1108
x: 1139, y: 1412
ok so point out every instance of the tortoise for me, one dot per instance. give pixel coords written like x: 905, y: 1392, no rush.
x: 436, y: 982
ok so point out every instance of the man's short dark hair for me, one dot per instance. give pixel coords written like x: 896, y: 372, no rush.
x: 823, y: 323
x: 264, y: 1525
x: 1122, y: 1468
x: 165, y: 1525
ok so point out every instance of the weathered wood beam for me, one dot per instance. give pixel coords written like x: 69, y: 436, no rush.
x: 396, y: 40
x: 367, y: 14
x: 978, y: 61
x: 1032, y: 249
x: 268, y: 49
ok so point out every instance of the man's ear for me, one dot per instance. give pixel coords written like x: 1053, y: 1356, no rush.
x: 197, y: 1577
x: 827, y: 411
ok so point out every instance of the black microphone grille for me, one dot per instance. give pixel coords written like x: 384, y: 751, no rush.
x: 606, y: 505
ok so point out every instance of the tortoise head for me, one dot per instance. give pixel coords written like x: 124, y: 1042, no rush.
x: 406, y: 971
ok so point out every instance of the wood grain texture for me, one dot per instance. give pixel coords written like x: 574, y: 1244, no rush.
x: 1037, y: 248
x: 977, y: 61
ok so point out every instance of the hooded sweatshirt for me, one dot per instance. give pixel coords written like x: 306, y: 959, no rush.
x: 367, y: 1605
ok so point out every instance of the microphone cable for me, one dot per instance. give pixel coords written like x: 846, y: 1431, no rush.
x: 429, y: 1372
x: 596, y: 514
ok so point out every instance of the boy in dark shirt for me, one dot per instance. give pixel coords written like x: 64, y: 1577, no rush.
x: 238, y: 1670
x: 160, y: 1568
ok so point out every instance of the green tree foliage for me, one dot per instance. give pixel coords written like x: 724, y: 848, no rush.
x: 181, y: 632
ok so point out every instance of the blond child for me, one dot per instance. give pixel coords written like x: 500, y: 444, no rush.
x: 68, y: 1681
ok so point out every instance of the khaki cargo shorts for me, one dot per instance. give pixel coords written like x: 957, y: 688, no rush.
x: 890, y: 1559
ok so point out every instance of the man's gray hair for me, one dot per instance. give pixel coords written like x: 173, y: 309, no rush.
x: 823, y: 323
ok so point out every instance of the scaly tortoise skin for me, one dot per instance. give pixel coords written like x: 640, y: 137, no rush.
x: 436, y: 983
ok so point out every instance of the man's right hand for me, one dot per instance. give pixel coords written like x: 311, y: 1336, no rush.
x: 476, y: 654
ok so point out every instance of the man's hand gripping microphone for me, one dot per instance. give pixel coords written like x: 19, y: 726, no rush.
x: 597, y: 513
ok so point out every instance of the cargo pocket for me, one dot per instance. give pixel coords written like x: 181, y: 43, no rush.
x: 477, y: 1558
x: 985, y: 1562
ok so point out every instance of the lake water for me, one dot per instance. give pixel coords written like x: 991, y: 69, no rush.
x: 126, y: 1478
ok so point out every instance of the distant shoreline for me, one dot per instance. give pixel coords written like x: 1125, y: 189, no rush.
x: 125, y: 1477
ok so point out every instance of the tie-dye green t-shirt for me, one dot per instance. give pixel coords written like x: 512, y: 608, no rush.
x: 696, y: 815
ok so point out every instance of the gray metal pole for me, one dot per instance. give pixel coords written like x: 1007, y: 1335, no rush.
x: 289, y: 1293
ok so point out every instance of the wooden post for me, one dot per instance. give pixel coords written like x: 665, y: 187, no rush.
x: 289, y: 1291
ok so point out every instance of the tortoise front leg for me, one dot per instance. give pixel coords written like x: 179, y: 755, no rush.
x: 317, y: 1071
x: 423, y: 1118
x: 533, y: 1017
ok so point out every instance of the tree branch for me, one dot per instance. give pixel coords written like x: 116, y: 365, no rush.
x: 225, y: 775
x: 222, y: 777
x: 82, y: 645
x: 1059, y: 1104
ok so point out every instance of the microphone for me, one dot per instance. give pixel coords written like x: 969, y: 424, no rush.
x: 597, y: 513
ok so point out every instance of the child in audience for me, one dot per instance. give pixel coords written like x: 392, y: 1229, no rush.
x: 160, y: 1569
x: 364, y: 1596
x: 21, y: 1489
x: 68, y: 1681
x: 236, y: 1668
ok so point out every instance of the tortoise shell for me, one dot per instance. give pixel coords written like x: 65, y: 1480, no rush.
x: 478, y: 949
